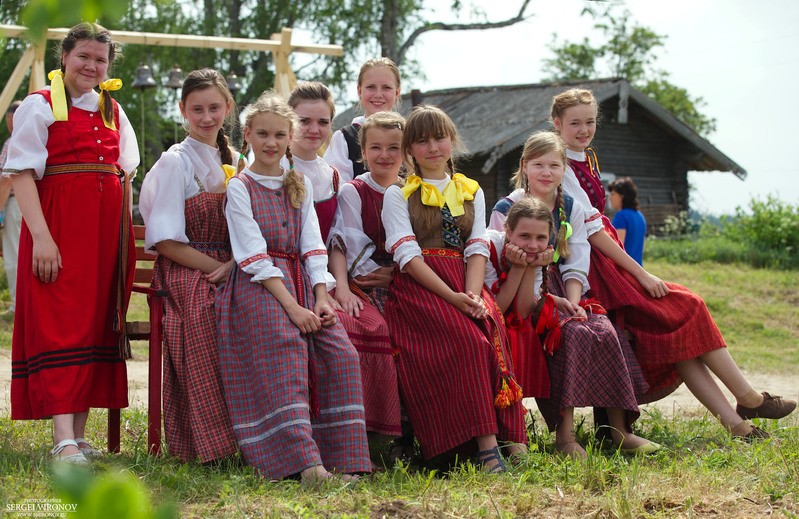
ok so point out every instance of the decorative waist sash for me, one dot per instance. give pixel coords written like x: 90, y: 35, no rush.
x: 449, y: 253
x: 82, y: 168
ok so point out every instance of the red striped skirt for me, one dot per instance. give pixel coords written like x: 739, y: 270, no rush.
x: 529, y: 359
x: 369, y: 334
x: 65, y: 355
x: 448, y: 368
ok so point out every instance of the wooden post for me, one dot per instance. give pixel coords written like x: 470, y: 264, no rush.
x: 285, y: 80
x: 38, y: 78
x: 15, y: 80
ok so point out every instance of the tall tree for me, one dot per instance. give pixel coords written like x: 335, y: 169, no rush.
x: 630, y: 52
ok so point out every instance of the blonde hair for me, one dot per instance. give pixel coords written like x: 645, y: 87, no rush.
x: 270, y: 102
x: 391, y: 66
x: 538, y: 144
x: 429, y: 122
x: 382, y: 121
x: 570, y: 98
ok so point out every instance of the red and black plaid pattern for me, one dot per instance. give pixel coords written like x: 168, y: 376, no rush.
x: 196, y: 422
x: 369, y: 335
x: 448, y: 369
x: 589, y: 368
x: 668, y: 330
x: 264, y: 361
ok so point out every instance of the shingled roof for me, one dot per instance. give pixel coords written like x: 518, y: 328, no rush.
x: 494, y: 120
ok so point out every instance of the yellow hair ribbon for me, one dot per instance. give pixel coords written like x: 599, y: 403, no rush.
x: 230, y: 172
x: 58, y: 96
x: 109, y: 85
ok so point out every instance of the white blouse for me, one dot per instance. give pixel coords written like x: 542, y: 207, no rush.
x: 171, y: 182
x: 577, y: 264
x: 400, y: 240
x: 572, y: 187
x: 492, y: 276
x: 338, y: 155
x: 348, y: 231
x: 318, y: 171
x: 248, y: 243
x: 28, y: 148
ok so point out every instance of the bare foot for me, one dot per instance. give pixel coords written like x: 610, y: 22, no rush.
x: 315, y: 474
x: 627, y: 440
x: 571, y: 449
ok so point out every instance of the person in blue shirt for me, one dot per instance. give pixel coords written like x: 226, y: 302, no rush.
x: 630, y: 224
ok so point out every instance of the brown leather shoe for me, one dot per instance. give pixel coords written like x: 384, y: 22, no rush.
x: 772, y: 407
x: 754, y: 435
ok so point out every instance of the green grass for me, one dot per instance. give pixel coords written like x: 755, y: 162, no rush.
x: 718, y: 249
x: 701, y: 473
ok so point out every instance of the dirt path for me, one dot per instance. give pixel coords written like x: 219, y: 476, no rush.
x: 681, y: 401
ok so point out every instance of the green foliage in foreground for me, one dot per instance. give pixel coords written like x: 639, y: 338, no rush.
x: 702, y: 471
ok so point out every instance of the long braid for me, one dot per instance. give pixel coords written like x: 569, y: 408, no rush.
x: 295, y: 185
x: 563, y: 244
x: 224, y: 147
x: 108, y: 105
x: 451, y: 166
x: 245, y: 149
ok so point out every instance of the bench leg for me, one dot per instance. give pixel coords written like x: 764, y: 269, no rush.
x: 154, y: 386
x: 113, y: 430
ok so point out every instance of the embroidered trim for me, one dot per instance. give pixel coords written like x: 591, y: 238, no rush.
x: 253, y: 259
x: 357, y: 260
x: 401, y: 241
x: 477, y: 240
x: 315, y: 252
x: 337, y: 242
x: 447, y: 253
x: 595, y: 216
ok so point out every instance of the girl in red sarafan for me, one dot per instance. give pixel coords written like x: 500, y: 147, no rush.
x: 291, y: 377
x: 70, y: 158
x: 455, y: 373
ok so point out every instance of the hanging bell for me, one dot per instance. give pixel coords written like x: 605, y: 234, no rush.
x: 175, y: 80
x: 233, y: 83
x: 144, y: 77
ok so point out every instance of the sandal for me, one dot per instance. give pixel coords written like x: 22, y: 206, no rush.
x: 88, y: 450
x: 75, y: 459
x: 492, y: 454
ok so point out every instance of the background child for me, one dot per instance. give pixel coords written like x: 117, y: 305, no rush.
x: 362, y: 268
x: 587, y: 363
x: 378, y: 91
x: 628, y: 221
x: 69, y: 159
x: 456, y: 377
x: 181, y: 201
x: 291, y: 376
x: 675, y: 336
x: 12, y: 218
x: 315, y: 109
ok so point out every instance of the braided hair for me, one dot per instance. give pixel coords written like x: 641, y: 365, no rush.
x: 270, y: 102
x: 210, y: 78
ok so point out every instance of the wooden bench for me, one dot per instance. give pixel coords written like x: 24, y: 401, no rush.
x: 151, y: 331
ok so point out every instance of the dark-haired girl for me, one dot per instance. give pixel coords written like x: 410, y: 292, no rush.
x: 70, y: 159
x: 181, y: 202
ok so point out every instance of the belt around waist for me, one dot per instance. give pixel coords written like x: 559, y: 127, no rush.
x: 62, y: 169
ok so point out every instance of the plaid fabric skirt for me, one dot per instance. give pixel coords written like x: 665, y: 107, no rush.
x: 265, y: 372
x: 668, y: 330
x: 447, y: 363
x: 65, y: 354
x: 196, y: 422
x: 590, y: 367
x: 369, y: 335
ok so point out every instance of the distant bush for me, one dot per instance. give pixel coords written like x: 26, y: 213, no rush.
x: 767, y: 235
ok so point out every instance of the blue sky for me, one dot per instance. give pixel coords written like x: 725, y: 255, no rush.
x: 738, y: 55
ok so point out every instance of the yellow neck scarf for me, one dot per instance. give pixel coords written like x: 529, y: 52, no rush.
x: 459, y: 190
x: 58, y: 95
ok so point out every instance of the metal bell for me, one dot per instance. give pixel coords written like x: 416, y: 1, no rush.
x: 233, y: 83
x: 175, y: 80
x: 144, y: 77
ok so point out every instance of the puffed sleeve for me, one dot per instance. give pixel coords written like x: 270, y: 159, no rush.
x: 400, y: 239
x: 496, y: 240
x: 348, y: 235
x: 572, y: 187
x: 338, y: 156
x: 128, y: 145
x: 246, y: 241
x: 161, y: 201
x: 577, y: 264
x: 28, y: 143
x: 312, y: 248
x: 477, y: 243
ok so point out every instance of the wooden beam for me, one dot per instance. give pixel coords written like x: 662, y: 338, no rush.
x: 15, y: 80
x: 285, y: 80
x: 38, y: 78
x: 182, y: 40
